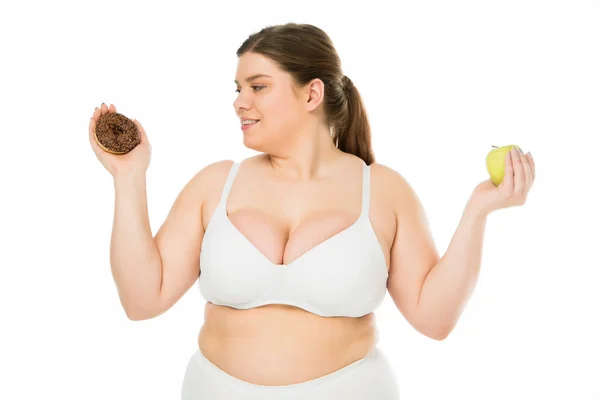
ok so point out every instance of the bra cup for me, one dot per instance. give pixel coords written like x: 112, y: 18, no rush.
x: 236, y: 277
x: 344, y: 276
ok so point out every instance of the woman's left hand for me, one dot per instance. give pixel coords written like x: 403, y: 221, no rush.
x: 519, y: 174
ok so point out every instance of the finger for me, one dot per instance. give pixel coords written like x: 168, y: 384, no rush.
x: 508, y: 181
x: 532, y: 164
x: 97, y: 113
x: 527, y: 169
x: 104, y: 109
x: 519, y: 172
x: 112, y: 108
x: 92, y: 135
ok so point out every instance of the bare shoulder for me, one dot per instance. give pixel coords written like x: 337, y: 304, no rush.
x: 215, y: 171
x: 385, y: 173
x: 393, y: 185
x: 199, y: 188
x: 214, y: 174
x: 204, y: 181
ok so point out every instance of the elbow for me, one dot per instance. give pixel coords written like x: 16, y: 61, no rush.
x: 440, y: 332
x: 439, y: 335
x: 139, y: 312
x: 435, y: 330
x: 136, y: 316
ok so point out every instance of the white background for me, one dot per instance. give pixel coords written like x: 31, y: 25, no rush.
x: 442, y: 81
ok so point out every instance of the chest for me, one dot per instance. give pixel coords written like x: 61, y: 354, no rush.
x: 284, y: 222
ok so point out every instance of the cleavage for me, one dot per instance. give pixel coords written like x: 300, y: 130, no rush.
x: 284, y: 243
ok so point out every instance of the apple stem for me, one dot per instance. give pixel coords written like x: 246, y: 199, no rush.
x: 495, y: 146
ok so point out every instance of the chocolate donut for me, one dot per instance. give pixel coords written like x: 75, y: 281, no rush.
x: 116, y: 134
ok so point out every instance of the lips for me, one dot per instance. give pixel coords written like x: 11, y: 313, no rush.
x: 249, y: 126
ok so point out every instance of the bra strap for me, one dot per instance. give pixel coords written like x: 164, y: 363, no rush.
x: 229, y: 181
x: 366, y: 190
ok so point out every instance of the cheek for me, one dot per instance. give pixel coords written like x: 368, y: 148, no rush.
x: 280, y: 114
x: 272, y: 108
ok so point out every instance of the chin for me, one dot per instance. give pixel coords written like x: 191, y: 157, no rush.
x: 261, y: 141
x: 253, y: 143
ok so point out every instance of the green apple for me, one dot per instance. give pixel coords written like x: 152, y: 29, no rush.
x: 495, y: 162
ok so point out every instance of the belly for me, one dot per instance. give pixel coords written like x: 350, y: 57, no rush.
x: 282, y: 345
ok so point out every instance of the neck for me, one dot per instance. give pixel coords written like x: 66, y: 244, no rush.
x: 307, y: 157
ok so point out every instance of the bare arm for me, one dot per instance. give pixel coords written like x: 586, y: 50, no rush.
x: 413, y: 253
x: 134, y: 258
x: 430, y: 291
x: 451, y: 282
x: 152, y: 274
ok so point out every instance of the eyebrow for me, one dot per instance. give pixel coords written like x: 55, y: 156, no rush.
x: 253, y: 77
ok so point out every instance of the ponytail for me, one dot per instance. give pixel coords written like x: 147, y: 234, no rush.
x: 353, y: 135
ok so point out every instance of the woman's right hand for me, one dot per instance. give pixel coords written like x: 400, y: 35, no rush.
x: 134, y: 162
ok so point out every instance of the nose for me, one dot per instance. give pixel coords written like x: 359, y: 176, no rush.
x: 240, y: 103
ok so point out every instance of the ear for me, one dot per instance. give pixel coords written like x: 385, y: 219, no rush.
x: 315, y: 93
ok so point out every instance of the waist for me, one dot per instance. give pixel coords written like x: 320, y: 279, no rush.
x: 282, y: 345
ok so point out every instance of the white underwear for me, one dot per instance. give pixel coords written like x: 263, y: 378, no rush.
x: 369, y: 378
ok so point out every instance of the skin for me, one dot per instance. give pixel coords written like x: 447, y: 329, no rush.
x: 296, y: 193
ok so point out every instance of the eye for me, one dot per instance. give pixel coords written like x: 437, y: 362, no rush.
x: 260, y: 87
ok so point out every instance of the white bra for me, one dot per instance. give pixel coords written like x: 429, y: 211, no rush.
x: 345, y: 275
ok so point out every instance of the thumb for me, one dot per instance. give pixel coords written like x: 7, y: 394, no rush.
x: 143, y: 138
x: 508, y: 180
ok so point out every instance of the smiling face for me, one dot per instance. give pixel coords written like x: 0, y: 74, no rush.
x: 268, y: 94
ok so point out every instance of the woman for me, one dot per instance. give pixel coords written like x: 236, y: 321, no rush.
x: 296, y: 247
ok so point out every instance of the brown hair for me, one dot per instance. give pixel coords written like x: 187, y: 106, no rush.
x: 306, y: 52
